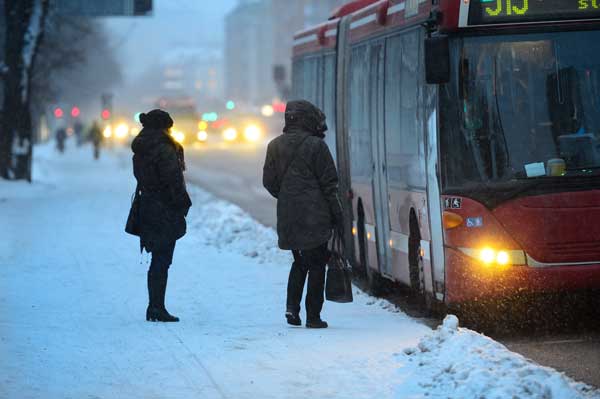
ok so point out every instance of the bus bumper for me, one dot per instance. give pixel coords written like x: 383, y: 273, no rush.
x: 469, y: 280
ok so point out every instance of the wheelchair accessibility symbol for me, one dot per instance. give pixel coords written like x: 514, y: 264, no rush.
x: 475, y: 222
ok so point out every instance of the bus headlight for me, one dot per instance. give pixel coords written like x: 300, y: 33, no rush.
x: 230, y: 134
x: 252, y: 133
x: 202, y: 135
x: 499, y: 257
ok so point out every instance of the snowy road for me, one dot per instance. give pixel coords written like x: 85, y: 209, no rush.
x: 73, y: 295
x: 233, y: 173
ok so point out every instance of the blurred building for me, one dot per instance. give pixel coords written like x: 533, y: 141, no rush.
x: 193, y: 70
x: 183, y: 72
x: 259, y: 36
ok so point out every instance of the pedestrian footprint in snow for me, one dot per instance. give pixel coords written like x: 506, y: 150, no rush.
x: 160, y: 204
x: 300, y: 172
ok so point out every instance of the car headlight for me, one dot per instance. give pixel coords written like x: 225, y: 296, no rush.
x: 121, y: 131
x: 499, y: 257
x: 230, y: 134
x: 202, y: 135
x: 179, y: 136
x: 107, y: 132
x: 252, y: 133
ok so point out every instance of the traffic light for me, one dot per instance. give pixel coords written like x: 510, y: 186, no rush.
x: 75, y: 112
x: 210, y: 116
x: 230, y: 105
x: 58, y: 113
x: 278, y: 106
x: 107, y: 105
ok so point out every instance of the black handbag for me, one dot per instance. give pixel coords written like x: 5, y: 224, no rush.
x: 133, y: 220
x: 338, y: 286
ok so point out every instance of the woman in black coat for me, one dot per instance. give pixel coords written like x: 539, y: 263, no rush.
x: 158, y: 166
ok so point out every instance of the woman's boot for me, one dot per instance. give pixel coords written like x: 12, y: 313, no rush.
x: 151, y: 306
x: 157, y: 311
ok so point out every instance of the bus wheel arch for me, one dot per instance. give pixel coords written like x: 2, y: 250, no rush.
x: 416, y: 268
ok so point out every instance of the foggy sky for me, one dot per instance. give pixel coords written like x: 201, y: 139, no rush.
x: 141, y: 41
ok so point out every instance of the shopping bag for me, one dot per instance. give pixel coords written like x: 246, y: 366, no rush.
x: 338, y: 283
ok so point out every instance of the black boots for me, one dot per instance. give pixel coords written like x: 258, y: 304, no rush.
x: 157, y: 287
x: 293, y: 318
x: 316, y: 323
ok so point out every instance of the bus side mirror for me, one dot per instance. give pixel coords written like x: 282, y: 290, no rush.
x: 437, y: 60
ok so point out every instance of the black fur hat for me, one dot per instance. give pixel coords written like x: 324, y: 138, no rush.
x: 156, y: 119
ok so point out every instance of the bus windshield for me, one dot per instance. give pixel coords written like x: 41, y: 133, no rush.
x: 522, y: 107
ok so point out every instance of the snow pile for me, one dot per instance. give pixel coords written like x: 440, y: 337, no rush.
x: 454, y: 362
x: 227, y: 227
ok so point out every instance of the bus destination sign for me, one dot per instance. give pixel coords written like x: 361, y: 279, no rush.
x: 487, y: 12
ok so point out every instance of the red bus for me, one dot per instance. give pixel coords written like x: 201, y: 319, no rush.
x: 467, y: 137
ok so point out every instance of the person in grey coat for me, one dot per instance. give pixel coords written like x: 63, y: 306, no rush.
x: 300, y: 172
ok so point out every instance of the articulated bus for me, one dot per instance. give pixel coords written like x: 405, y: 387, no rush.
x: 467, y: 137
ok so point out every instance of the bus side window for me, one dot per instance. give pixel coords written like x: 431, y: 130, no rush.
x: 329, y: 102
x: 403, y: 129
x: 360, y: 139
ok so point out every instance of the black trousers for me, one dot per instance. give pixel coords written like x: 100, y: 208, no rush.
x: 310, y: 262
x: 162, y: 259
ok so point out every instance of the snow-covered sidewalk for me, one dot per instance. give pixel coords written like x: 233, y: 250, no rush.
x: 73, y: 297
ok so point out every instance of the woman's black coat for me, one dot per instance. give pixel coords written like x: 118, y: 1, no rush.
x: 158, y: 166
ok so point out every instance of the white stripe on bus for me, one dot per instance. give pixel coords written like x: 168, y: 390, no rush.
x: 305, y: 39
x: 363, y: 21
x: 331, y: 33
x: 396, y: 8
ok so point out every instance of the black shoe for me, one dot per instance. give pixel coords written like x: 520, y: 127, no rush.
x: 316, y: 323
x: 155, y: 314
x: 293, y: 318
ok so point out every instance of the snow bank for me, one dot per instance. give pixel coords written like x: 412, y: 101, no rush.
x: 454, y: 362
x: 226, y: 226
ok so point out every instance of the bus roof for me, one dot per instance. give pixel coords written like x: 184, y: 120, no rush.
x: 368, y: 18
x: 351, y: 7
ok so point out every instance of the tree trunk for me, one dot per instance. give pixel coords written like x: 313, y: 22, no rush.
x: 24, y: 29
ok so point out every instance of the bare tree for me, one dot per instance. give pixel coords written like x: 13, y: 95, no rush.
x: 75, y: 63
x: 63, y: 48
x: 24, y: 23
